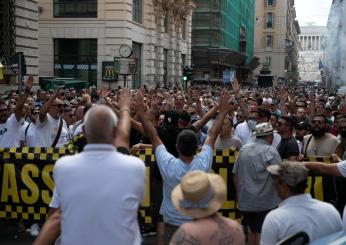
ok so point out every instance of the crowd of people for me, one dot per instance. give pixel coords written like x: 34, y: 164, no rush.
x: 98, y: 191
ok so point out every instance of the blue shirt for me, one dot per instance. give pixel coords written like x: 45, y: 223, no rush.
x: 172, y: 170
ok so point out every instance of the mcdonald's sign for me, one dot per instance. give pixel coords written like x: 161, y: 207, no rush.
x: 108, y: 71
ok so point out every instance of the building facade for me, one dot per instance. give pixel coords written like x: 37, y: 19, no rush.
x: 222, y: 37
x: 335, y: 58
x: 312, y: 41
x: 276, y: 43
x: 75, y: 37
x: 19, y: 33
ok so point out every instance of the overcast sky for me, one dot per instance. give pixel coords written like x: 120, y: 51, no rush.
x: 312, y: 11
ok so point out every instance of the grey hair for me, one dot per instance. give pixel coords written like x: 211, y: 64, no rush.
x: 99, y: 124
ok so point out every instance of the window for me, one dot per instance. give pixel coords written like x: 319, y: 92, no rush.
x: 269, y: 20
x: 166, y: 22
x: 76, y: 58
x: 183, y: 29
x: 137, y: 10
x: 137, y: 55
x: 165, y: 67
x: 75, y: 8
x: 268, y: 60
x: 183, y: 61
x: 269, y: 3
x: 269, y: 41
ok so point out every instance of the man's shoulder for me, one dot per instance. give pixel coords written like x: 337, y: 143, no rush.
x: 241, y: 126
x: 332, y: 138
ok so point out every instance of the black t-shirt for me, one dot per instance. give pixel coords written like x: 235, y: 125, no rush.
x: 288, y: 147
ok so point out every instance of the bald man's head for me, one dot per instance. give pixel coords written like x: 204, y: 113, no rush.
x: 99, y: 125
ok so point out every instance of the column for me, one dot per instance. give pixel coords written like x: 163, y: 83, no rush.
x: 171, y: 49
x: 159, y: 46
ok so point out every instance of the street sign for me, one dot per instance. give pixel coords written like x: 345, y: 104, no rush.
x: 109, y: 73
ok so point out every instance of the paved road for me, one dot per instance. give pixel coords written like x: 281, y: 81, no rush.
x: 10, y: 236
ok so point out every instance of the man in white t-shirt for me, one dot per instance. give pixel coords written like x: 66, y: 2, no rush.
x: 108, y: 186
x: 10, y: 124
x: 48, y: 124
x: 27, y: 132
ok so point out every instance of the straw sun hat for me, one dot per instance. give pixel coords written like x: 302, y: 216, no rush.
x: 199, y: 194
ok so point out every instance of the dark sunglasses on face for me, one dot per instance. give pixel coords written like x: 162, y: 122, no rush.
x: 3, y: 110
x: 317, y: 122
x: 342, y: 128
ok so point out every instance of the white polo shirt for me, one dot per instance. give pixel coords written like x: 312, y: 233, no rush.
x: 300, y: 213
x: 98, y: 192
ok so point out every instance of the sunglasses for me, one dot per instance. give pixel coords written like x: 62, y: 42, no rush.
x: 317, y: 122
x: 342, y: 128
x: 59, y: 105
x: 3, y: 110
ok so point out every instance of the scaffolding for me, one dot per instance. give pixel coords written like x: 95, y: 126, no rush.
x: 7, y: 30
x: 224, y: 24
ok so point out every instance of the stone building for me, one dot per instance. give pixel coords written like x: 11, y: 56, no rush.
x: 276, y: 42
x: 335, y: 59
x: 19, y: 33
x: 312, y: 41
x: 75, y: 37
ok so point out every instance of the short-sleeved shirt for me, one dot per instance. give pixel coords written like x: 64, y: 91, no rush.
x: 300, y: 213
x: 172, y: 169
x: 99, y: 192
x: 227, y: 143
x: 47, y: 131
x: 288, y: 147
x: 28, y: 134
x: 9, y: 132
x: 255, y: 187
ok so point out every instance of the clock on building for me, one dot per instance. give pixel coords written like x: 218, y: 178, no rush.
x: 125, y: 51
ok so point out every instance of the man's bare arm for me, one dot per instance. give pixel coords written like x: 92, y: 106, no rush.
x: 18, y: 112
x: 149, y: 128
x: 323, y: 168
x: 122, y: 138
x: 50, y: 230
x: 224, y: 107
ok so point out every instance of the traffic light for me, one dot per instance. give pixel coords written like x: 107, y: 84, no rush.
x: 187, y: 73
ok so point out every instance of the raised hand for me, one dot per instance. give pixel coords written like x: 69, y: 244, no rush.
x: 225, y: 104
x: 139, y: 102
x: 124, y: 99
x: 29, y: 82
x: 235, y: 84
x: 104, y: 92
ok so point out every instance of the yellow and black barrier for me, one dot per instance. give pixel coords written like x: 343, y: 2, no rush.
x: 26, y: 182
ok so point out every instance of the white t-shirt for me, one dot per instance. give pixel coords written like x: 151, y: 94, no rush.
x: 47, y: 131
x: 99, y: 192
x: 300, y: 213
x: 9, y: 132
x: 243, y: 132
x: 30, y: 137
x: 79, y: 129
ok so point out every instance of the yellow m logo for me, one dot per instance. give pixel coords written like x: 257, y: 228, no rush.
x: 109, y: 72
